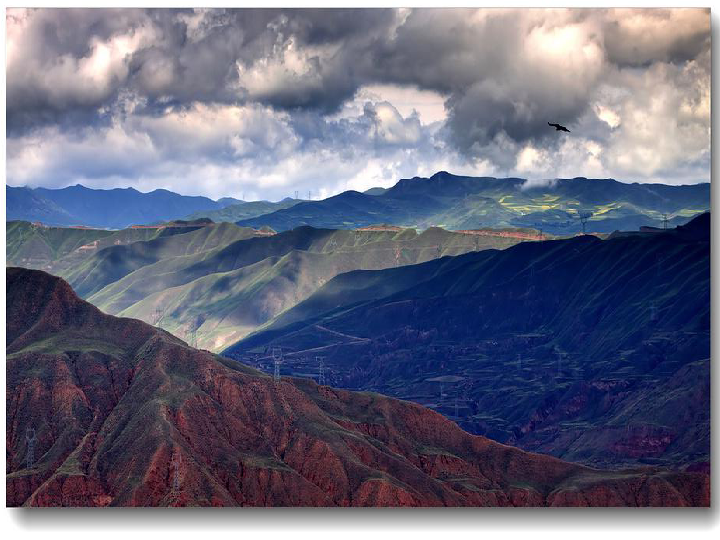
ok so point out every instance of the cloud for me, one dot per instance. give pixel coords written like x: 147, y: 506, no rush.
x: 265, y: 99
x: 638, y: 37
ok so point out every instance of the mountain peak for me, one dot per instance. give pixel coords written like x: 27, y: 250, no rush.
x: 442, y: 175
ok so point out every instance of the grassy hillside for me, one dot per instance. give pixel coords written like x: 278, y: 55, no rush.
x: 217, y: 298
x: 215, y: 283
x: 57, y: 248
x: 115, y: 262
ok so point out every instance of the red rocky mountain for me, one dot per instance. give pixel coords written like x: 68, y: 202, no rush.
x: 111, y: 411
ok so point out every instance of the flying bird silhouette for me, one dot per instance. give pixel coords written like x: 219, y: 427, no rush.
x: 558, y: 127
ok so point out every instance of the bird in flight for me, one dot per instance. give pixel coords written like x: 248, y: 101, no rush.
x: 558, y: 127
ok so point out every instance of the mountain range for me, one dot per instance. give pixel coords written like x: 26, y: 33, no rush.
x: 111, y: 209
x: 214, y: 283
x: 591, y: 350
x: 461, y: 202
x: 444, y: 200
x: 105, y: 411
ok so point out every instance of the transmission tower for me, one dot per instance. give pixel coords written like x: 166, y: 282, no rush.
x: 398, y: 252
x: 296, y: 194
x: 158, y: 315
x: 583, y: 217
x: 321, y: 365
x: 30, y: 439
x: 192, y: 337
x: 277, y: 360
x: 439, y: 250
x: 332, y: 245
x: 665, y: 221
x: 309, y: 195
x: 176, y: 473
x: 560, y: 356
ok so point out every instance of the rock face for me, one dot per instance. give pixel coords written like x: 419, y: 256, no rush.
x: 127, y: 415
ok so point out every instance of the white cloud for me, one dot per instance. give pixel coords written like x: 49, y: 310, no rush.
x: 267, y: 102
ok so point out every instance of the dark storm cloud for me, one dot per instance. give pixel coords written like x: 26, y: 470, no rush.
x: 503, y: 74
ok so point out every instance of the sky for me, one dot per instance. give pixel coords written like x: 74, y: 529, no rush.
x: 258, y: 104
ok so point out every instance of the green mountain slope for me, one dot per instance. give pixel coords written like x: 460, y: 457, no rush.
x: 115, y: 262
x: 221, y: 297
x: 215, y: 283
x: 55, y: 249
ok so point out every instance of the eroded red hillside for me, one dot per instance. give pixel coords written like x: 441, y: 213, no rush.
x: 125, y: 414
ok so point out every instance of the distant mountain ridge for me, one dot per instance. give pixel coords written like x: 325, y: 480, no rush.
x: 112, y: 208
x: 244, y: 210
x: 462, y: 202
x: 443, y: 200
